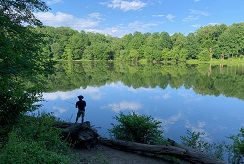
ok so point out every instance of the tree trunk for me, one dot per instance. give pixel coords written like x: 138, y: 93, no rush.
x: 176, y: 150
x: 82, y: 135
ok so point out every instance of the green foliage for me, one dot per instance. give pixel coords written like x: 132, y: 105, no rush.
x: 35, y: 140
x: 236, y: 151
x: 204, y: 55
x: 18, y: 151
x: 137, y: 128
x: 192, y: 46
x: 21, y: 62
x: 231, y: 41
x: 193, y: 140
x: 137, y: 46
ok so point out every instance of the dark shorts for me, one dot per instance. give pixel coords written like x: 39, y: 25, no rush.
x: 81, y: 113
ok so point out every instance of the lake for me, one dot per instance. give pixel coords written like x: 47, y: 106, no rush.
x: 201, y: 97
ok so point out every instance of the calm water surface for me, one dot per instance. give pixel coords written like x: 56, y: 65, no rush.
x: 178, y: 108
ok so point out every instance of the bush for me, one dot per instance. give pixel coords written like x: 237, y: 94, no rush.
x: 19, y: 150
x: 204, y: 55
x: 137, y: 128
x: 193, y: 140
x: 35, y: 140
x: 236, y: 151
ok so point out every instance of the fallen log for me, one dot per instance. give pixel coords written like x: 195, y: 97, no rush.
x: 82, y: 135
x: 190, y: 155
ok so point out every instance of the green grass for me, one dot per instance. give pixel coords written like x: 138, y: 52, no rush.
x: 35, y: 140
x: 233, y: 61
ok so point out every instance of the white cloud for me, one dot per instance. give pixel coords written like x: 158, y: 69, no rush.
x: 197, y: 12
x: 196, y: 25
x: 124, y: 105
x: 194, y: 15
x: 170, y: 121
x: 166, y: 96
x: 93, y: 92
x: 187, y: 95
x: 190, y: 18
x: 121, y: 29
x: 96, y: 16
x: 170, y: 17
x: 91, y: 23
x: 63, y: 19
x: 190, y: 97
x: 53, y: 2
x: 199, y: 128
x: 126, y: 5
x: 60, y: 110
x: 141, y: 26
x: 160, y: 1
x: 56, y: 95
x: 158, y: 15
x: 213, y: 23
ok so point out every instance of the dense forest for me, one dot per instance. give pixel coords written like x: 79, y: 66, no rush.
x: 208, y: 42
x: 203, y: 78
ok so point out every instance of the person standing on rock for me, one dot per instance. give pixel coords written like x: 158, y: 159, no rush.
x: 81, y: 104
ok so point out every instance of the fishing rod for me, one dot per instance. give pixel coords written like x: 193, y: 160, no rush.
x: 69, y: 102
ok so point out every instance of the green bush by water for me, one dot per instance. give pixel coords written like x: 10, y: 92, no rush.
x: 144, y: 129
x: 137, y: 128
x: 193, y: 140
x: 236, y: 150
x: 35, y: 140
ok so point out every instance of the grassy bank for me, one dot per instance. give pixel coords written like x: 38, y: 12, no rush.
x: 35, y: 140
x: 233, y: 61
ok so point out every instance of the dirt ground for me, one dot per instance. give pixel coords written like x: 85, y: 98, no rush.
x: 100, y: 154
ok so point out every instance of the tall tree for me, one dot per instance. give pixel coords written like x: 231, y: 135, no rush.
x: 231, y: 42
x: 192, y: 46
x: 208, y: 36
x: 21, y: 62
x: 77, y: 43
x: 165, y: 40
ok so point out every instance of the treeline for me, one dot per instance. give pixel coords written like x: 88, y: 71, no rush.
x: 218, y: 41
x: 203, y: 78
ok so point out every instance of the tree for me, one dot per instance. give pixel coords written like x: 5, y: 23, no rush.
x: 208, y: 36
x: 56, y: 50
x: 21, y: 60
x: 204, y: 55
x: 165, y: 40
x: 78, y: 42
x: 178, y: 40
x: 231, y: 40
x: 166, y: 54
x: 192, y: 46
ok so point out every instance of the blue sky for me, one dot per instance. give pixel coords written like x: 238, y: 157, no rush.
x: 120, y: 17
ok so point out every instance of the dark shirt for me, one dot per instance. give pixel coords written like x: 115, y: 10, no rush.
x: 81, y: 104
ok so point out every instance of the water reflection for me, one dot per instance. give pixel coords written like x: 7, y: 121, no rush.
x: 178, y: 109
x: 201, y: 98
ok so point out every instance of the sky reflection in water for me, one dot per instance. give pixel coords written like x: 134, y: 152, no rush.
x: 178, y: 109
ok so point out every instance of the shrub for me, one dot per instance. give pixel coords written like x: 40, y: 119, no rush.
x: 137, y: 128
x: 19, y: 150
x: 193, y: 140
x: 35, y: 140
x: 236, y: 151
